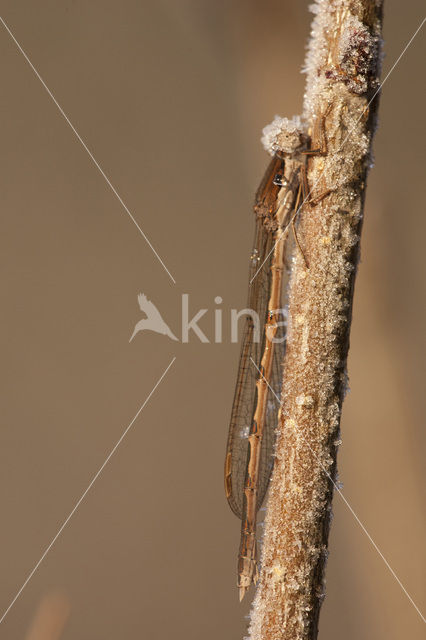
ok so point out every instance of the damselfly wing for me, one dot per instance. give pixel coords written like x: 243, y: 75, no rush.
x: 250, y: 449
x: 249, y: 459
x: 253, y: 343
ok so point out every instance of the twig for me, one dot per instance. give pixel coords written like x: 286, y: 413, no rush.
x: 342, y: 65
x: 50, y: 618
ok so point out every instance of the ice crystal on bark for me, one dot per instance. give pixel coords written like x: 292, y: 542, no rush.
x: 357, y: 54
x: 353, y: 60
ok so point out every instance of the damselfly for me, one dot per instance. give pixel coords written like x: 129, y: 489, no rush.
x: 251, y: 439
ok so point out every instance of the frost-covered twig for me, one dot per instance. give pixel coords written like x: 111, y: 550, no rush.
x: 342, y: 66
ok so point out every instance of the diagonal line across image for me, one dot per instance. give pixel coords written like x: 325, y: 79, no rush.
x: 90, y: 154
x: 312, y: 189
x: 339, y: 491
x: 90, y: 485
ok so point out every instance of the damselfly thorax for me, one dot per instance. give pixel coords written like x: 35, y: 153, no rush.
x: 282, y: 194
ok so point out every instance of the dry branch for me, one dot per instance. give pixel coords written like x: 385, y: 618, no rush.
x: 342, y: 66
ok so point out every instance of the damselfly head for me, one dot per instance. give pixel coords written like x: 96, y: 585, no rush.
x: 284, y: 135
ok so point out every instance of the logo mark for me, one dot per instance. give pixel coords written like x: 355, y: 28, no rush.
x: 153, y: 320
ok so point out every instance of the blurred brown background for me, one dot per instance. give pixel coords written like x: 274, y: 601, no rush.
x: 171, y: 97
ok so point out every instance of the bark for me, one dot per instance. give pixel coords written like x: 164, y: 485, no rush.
x: 342, y: 66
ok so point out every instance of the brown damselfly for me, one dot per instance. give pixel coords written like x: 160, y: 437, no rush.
x: 251, y: 440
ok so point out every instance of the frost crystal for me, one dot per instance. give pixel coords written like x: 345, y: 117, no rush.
x: 283, y: 135
x: 303, y: 400
x: 353, y: 59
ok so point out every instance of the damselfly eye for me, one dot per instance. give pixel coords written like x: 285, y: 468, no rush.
x: 280, y: 181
